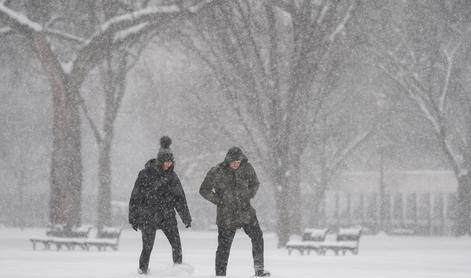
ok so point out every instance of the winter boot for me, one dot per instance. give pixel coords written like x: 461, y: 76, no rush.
x: 143, y: 271
x: 262, y: 273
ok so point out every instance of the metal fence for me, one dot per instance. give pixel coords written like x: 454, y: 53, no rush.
x: 426, y: 213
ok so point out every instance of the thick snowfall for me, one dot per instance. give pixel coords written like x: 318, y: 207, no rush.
x: 380, y: 256
x: 352, y: 113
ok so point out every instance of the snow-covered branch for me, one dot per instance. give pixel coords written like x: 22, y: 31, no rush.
x: 121, y: 22
x: 419, y: 100
x: 90, y: 121
x: 127, y: 25
x: 457, y: 159
x: 450, y: 58
x: 287, y: 6
x: 405, y: 44
x: 323, y: 13
x: 65, y: 36
x: 136, y: 17
x: 449, y: 69
x: 343, y: 153
x: 17, y: 20
x: 341, y: 26
x: 5, y: 31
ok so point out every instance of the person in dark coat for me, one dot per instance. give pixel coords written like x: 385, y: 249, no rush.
x: 231, y: 185
x: 157, y: 193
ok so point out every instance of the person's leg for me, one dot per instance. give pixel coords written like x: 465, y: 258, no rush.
x: 255, y: 233
x: 171, y: 232
x: 148, y: 238
x: 225, y: 237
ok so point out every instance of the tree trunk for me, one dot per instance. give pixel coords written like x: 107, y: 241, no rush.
x: 66, y: 161
x: 104, y: 189
x: 295, y: 209
x: 114, y: 90
x: 288, y: 201
x: 283, y: 221
x: 318, y: 198
x: 463, y: 212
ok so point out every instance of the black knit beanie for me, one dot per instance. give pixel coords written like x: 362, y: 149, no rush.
x: 165, y: 153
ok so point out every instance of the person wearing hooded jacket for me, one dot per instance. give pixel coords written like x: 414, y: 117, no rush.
x: 157, y: 193
x: 230, y: 186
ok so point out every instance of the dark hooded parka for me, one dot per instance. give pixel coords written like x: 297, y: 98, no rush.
x: 156, y: 196
x: 231, y: 190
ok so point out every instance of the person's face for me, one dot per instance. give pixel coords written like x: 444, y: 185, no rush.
x: 166, y: 165
x: 234, y: 164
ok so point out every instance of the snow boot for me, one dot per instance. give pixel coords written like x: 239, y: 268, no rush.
x: 262, y: 273
x: 143, y: 271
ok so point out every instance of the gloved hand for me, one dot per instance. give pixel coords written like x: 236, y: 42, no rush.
x: 188, y: 225
x: 134, y: 226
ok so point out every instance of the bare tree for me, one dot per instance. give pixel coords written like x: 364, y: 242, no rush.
x: 341, y: 130
x: 66, y: 76
x: 269, y: 59
x: 427, y: 56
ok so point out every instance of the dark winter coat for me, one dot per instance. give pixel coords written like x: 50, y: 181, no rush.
x: 155, y: 197
x: 231, y: 190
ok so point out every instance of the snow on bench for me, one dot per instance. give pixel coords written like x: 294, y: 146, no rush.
x: 108, y: 237
x: 61, y: 236
x: 311, y: 240
x: 346, y: 240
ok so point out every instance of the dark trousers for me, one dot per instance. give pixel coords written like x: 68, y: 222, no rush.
x: 148, y: 238
x: 225, y: 237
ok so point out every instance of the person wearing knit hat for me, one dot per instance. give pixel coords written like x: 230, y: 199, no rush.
x: 165, y: 153
x: 156, y: 195
x: 231, y: 185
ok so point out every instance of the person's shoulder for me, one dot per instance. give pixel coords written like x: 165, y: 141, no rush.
x: 146, y: 171
x: 214, y: 170
x: 174, y: 174
x: 247, y: 165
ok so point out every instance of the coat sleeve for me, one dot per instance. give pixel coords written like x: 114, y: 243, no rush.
x: 180, y: 201
x: 207, y: 187
x: 136, y: 199
x: 254, y: 184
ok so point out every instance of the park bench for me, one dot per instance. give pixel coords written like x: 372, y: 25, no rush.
x: 346, y: 240
x: 108, y: 237
x: 310, y: 241
x: 61, y: 236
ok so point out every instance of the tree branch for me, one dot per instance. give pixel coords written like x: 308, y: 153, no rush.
x: 65, y: 36
x: 449, y: 69
x: 341, y: 155
x: 288, y: 7
x: 17, y: 20
x: 92, y: 52
x: 341, y: 26
x: 5, y: 31
x: 92, y: 124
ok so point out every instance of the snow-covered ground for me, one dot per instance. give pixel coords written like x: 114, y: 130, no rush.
x: 380, y: 256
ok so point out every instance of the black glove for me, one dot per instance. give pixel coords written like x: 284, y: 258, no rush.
x: 188, y: 225
x: 134, y: 227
